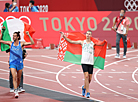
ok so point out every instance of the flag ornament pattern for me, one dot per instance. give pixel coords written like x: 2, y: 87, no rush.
x: 15, y: 25
x: 72, y: 52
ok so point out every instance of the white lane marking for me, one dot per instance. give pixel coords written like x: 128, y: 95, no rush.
x: 119, y: 87
x: 104, y: 92
x: 112, y: 69
x: 107, y: 84
x: 121, y: 79
x: 32, y: 76
x: 116, y: 95
x: 34, y: 56
x: 40, y: 78
x: 44, y: 63
x: 115, y: 63
x: 47, y: 89
x: 133, y: 81
x: 3, y: 73
x: 79, y: 87
x: 124, y: 72
x: 40, y: 70
x: 32, y: 68
x: 95, y: 81
x: 69, y: 84
x: 136, y: 67
x: 133, y: 76
x: 95, y: 77
x: 77, y: 70
x: 92, y: 89
x: 48, y: 57
x: 110, y: 76
x: 137, y: 61
x: 121, y: 53
x: 126, y: 65
x: 99, y: 74
x: 57, y: 78
x: 131, y: 89
x: 73, y: 77
x: 63, y: 74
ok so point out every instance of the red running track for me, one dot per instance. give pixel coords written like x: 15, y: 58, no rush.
x: 117, y: 83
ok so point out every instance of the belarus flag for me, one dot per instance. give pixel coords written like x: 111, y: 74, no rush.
x: 15, y: 25
x: 72, y: 52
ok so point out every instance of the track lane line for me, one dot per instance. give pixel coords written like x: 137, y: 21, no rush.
x: 95, y: 77
x: 57, y: 78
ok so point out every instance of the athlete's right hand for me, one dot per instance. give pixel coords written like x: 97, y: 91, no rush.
x: 27, y: 32
x: 62, y: 34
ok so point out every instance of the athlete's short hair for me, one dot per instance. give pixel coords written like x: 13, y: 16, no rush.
x: 89, y: 31
x: 18, y: 34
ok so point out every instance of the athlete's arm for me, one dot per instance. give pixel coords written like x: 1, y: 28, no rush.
x: 5, y: 42
x: 28, y: 43
x: 71, y: 41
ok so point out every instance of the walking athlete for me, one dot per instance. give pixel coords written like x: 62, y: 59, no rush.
x: 16, y: 60
x: 87, y: 60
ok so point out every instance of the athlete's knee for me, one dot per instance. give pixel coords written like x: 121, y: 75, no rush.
x: 86, y: 76
x: 18, y: 78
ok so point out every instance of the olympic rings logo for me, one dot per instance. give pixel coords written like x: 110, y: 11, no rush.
x: 20, y: 18
x: 131, y: 5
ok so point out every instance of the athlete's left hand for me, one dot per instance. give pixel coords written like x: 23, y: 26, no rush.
x: 27, y: 32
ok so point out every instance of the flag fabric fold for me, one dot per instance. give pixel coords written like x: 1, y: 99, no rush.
x: 72, y: 52
x: 15, y: 25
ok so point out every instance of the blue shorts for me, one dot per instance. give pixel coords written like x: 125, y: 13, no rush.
x: 16, y: 66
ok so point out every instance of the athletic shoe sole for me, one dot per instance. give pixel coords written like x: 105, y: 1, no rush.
x: 16, y: 96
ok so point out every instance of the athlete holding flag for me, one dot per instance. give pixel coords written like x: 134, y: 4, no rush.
x: 87, y: 60
x: 16, y: 60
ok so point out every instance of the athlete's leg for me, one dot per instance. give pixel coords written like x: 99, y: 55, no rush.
x: 14, y: 77
x: 90, y: 78
x: 21, y: 82
x: 10, y: 80
x: 19, y: 73
x: 90, y: 71
x: 86, y: 82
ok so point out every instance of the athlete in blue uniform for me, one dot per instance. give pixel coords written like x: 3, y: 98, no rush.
x: 16, y: 60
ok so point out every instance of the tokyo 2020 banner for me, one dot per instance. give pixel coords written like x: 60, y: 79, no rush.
x: 48, y: 25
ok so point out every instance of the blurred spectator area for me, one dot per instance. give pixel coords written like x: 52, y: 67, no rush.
x: 2, y: 4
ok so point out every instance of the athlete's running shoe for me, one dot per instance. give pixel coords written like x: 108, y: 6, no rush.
x: 83, y: 91
x: 16, y: 93
x: 88, y: 95
x: 11, y: 89
x: 21, y: 90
